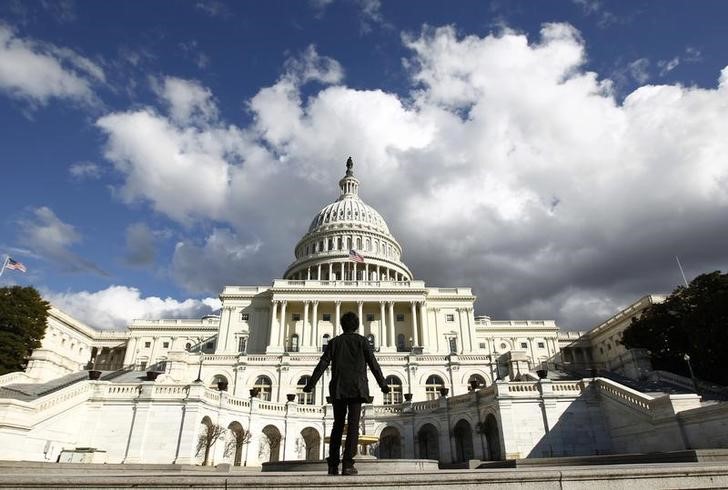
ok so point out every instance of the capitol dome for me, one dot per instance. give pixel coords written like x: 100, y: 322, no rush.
x: 348, y: 240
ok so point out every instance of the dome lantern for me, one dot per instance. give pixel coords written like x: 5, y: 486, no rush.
x: 349, y: 185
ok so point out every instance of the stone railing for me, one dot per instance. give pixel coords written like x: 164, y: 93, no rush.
x: 49, y: 405
x: 310, y: 410
x: 426, y: 405
x: 567, y: 387
x: 520, y: 387
x: 12, y: 378
x: 282, y: 283
x: 625, y: 396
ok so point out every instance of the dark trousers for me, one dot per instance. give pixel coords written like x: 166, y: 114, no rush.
x: 341, y: 407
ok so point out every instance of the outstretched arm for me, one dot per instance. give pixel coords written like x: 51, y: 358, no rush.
x: 318, y: 371
x: 374, y: 366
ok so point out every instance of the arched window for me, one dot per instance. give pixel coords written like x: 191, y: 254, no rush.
x: 432, y: 387
x: 331, y: 243
x: 358, y: 243
x: 339, y: 244
x: 476, y: 381
x: 294, y: 343
x: 368, y: 245
x: 263, y: 385
x: 453, y: 345
x: 215, y: 384
x: 304, y: 398
x: 395, y: 391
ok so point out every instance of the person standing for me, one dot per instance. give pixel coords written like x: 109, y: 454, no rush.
x: 349, y: 354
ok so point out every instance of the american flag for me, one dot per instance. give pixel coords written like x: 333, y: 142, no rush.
x: 15, y: 265
x: 355, y: 256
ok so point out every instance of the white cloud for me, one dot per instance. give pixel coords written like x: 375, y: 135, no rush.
x: 187, y: 100
x: 84, y: 170
x: 310, y: 66
x: 38, y: 72
x: 115, y: 307
x: 667, y: 66
x: 509, y: 167
x: 52, y: 239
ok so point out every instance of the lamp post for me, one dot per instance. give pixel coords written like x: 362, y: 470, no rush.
x: 686, y: 357
x: 199, y: 370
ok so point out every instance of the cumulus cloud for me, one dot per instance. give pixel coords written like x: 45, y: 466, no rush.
x: 37, y: 72
x: 224, y: 258
x: 187, y: 100
x: 508, y: 167
x: 115, y: 307
x: 141, y: 248
x: 51, y: 238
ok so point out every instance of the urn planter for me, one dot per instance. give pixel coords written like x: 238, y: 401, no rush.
x: 152, y: 375
x: 542, y: 373
x: 94, y: 374
x: 222, y: 385
x: 444, y: 391
x: 408, y: 397
x: 291, y: 397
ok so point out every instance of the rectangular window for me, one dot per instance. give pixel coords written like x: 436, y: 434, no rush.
x: 165, y: 345
x: 482, y: 345
x: 541, y: 345
x: 244, y: 317
x: 143, y: 365
x: 327, y: 317
x: 296, y: 317
x: 209, y: 345
x: 147, y: 345
x: 524, y: 345
x: 453, y: 345
x: 370, y: 317
x: 241, y: 344
x: 400, y: 317
x: 449, y: 317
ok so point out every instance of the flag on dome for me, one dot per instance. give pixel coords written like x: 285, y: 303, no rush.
x: 355, y: 256
x: 13, y: 264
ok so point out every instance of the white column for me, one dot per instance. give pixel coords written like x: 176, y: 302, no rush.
x: 415, y: 335
x: 382, y: 326
x: 360, y: 312
x: 314, y: 324
x: 331, y: 271
x: 153, y: 351
x: 342, y: 278
x: 353, y: 276
x: 471, y: 328
x: 282, y: 326
x: 130, y: 354
x: 392, y: 342
x: 337, y: 318
x: 308, y: 273
x: 305, y: 329
x: 366, y: 271
x: 273, y: 324
x: 423, y: 323
x: 318, y: 273
x: 533, y: 356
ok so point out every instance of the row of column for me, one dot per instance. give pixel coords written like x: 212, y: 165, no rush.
x: 351, y: 272
x: 386, y: 335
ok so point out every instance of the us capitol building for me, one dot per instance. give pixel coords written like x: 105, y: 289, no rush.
x: 462, y: 386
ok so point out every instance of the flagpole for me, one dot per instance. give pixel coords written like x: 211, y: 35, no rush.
x: 681, y: 271
x: 5, y: 263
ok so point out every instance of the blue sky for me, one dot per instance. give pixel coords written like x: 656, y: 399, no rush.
x: 555, y: 156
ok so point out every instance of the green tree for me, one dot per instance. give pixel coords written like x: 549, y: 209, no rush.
x: 23, y: 315
x: 693, y: 320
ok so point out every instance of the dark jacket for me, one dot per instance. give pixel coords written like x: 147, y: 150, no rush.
x: 349, y: 353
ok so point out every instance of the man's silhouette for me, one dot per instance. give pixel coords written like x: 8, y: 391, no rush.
x: 350, y: 353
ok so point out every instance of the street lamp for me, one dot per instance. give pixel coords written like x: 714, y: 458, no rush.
x: 686, y: 357
x: 199, y: 370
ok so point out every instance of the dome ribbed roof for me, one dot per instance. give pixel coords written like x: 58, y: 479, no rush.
x: 349, y: 210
